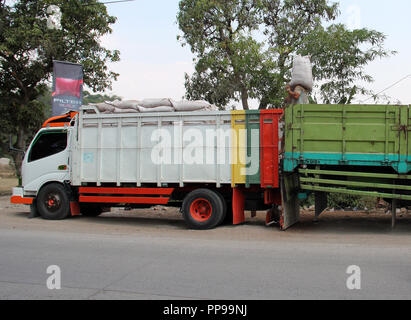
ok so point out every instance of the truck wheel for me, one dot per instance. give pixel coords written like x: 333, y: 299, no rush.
x: 228, y: 220
x: 225, y: 210
x: 203, y: 209
x: 90, y: 210
x: 53, y: 202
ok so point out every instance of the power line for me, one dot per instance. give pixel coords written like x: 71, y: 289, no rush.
x: 119, y: 1
x: 391, y: 86
x: 107, y: 2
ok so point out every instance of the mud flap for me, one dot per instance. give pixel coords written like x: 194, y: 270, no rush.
x: 34, y: 213
x: 321, y: 203
x: 290, y: 212
x: 74, y: 208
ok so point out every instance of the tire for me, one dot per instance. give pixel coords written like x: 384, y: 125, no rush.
x: 53, y: 202
x: 225, y: 210
x: 90, y: 210
x: 203, y: 209
x: 228, y: 220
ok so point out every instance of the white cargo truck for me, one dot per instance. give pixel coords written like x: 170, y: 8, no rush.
x: 81, y: 163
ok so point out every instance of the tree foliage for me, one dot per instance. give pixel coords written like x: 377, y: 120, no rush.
x: 339, y: 57
x: 27, y: 51
x: 98, y: 98
x: 244, y: 49
x: 227, y: 55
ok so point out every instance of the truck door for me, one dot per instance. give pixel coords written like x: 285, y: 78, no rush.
x: 47, y: 159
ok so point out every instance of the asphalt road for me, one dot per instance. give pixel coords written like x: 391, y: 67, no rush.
x: 145, y: 258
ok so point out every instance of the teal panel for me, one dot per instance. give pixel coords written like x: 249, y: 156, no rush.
x: 402, y: 164
x: 253, y: 147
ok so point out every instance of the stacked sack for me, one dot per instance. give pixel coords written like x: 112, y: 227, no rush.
x: 302, y: 73
x: 153, y: 105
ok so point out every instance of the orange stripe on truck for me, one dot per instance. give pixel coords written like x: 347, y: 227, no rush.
x: 21, y: 200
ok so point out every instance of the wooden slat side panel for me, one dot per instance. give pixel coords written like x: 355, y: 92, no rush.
x: 238, y: 148
x: 269, y: 141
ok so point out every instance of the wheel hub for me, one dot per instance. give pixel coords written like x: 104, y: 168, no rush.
x: 201, y: 210
x: 53, y: 202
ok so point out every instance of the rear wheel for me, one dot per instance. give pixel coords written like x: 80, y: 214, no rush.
x: 225, y: 210
x: 203, y: 209
x: 53, y: 202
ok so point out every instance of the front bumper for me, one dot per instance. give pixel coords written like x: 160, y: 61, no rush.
x: 18, y: 197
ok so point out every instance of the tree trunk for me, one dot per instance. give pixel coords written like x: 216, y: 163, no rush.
x: 244, y: 99
x: 18, y: 156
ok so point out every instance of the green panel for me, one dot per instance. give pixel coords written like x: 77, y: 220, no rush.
x: 409, y: 139
x: 374, y: 194
x: 356, y: 134
x: 253, y: 147
x: 357, y: 183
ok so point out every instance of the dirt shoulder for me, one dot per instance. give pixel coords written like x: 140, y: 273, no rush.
x: 7, y: 185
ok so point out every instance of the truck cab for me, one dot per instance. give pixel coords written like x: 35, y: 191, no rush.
x: 47, y: 159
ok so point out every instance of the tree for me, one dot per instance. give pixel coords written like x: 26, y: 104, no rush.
x: 27, y: 51
x: 262, y: 37
x: 286, y: 25
x: 227, y: 56
x: 339, y: 56
x: 98, y: 98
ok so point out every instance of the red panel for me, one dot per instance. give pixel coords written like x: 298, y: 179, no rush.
x: 21, y: 200
x: 74, y: 208
x: 129, y: 191
x: 270, y: 148
x: 238, y: 206
x: 136, y: 200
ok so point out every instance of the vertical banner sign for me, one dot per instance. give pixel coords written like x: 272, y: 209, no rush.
x: 67, y: 87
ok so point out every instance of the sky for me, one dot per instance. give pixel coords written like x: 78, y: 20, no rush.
x: 153, y: 62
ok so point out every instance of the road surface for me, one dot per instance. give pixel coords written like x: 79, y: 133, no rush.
x: 151, y: 255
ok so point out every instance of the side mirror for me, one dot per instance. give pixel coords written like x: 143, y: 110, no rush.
x: 11, y: 148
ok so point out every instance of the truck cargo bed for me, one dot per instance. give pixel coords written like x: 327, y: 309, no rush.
x: 348, y: 135
x: 219, y: 148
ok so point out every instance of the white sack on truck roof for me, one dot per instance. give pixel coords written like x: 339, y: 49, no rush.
x: 118, y: 110
x: 156, y: 109
x: 184, y: 106
x: 302, y: 73
x: 104, y: 107
x: 126, y: 104
x: 154, y: 103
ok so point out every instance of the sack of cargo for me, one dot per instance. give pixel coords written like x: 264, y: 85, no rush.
x: 302, y: 73
x: 154, y: 103
x: 190, y: 105
x: 104, y: 107
x: 156, y: 109
x: 118, y: 110
x: 126, y: 104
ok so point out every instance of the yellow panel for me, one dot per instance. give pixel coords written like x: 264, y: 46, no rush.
x: 238, y: 148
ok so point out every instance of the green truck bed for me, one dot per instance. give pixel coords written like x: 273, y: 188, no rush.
x: 348, y: 135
